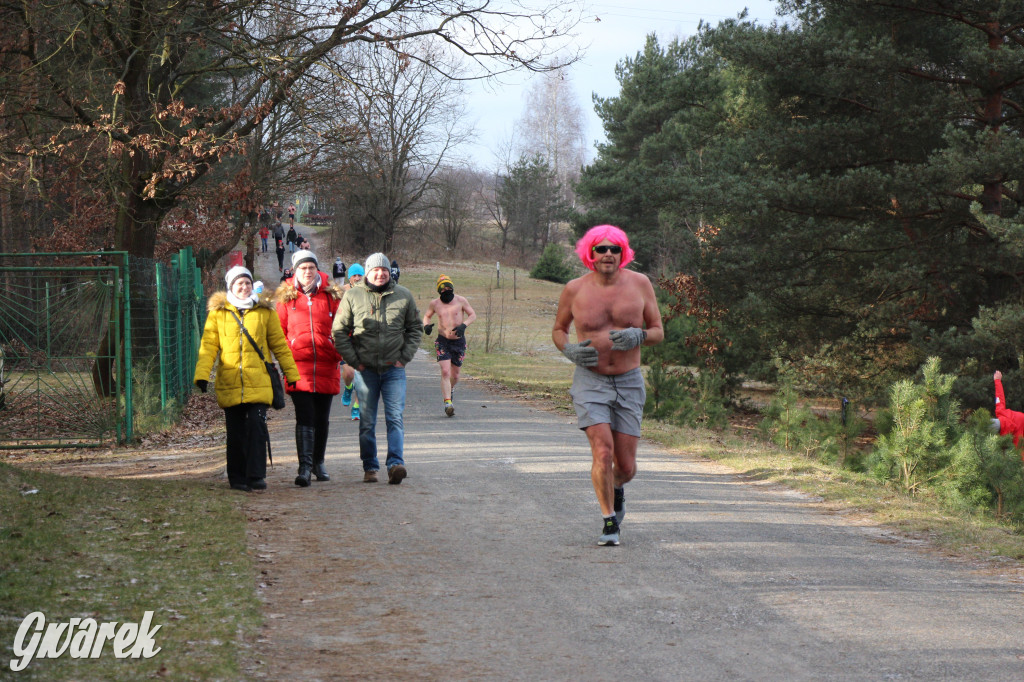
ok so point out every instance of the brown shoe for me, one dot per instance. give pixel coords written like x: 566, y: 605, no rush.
x: 396, y: 474
x: 370, y: 476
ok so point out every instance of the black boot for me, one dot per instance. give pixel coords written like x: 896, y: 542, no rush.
x: 304, y: 447
x: 319, y: 448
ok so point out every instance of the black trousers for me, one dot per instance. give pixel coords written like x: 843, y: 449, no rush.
x: 280, y: 258
x: 246, y: 442
x: 314, y: 409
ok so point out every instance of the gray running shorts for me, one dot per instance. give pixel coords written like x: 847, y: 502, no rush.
x: 617, y: 400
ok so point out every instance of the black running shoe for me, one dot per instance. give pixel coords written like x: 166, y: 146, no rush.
x: 620, y: 504
x: 609, y: 534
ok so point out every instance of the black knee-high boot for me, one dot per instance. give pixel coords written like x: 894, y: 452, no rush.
x: 319, y: 448
x: 304, y: 446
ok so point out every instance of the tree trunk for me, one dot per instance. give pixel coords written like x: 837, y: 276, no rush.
x: 992, y: 193
x: 249, y: 229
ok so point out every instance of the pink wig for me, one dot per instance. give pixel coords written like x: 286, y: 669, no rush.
x: 596, y: 235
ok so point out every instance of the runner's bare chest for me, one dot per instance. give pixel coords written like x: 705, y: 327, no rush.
x: 600, y: 308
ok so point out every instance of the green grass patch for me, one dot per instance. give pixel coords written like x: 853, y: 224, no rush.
x: 111, y: 550
x: 538, y: 377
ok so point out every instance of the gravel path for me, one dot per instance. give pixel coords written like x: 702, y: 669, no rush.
x: 483, y: 565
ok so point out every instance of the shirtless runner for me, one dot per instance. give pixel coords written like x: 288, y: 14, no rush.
x: 454, y: 314
x: 615, y: 312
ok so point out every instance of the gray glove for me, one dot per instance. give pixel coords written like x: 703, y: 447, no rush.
x: 627, y: 339
x: 581, y: 353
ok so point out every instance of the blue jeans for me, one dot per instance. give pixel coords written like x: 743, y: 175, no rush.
x: 389, y: 385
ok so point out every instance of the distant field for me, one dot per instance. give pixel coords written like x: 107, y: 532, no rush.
x: 511, y: 340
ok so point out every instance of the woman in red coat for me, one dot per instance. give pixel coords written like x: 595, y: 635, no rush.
x: 306, y: 304
x: 1011, y: 423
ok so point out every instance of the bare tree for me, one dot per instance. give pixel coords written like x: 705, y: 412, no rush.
x: 131, y: 93
x: 553, y: 127
x: 410, y: 114
x: 490, y: 194
x: 453, y: 203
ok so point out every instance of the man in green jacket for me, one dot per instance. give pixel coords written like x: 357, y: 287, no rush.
x: 377, y: 330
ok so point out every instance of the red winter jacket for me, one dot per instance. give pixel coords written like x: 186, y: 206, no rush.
x: 1010, y: 423
x: 307, y: 324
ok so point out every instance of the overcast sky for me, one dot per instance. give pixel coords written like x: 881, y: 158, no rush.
x: 621, y: 32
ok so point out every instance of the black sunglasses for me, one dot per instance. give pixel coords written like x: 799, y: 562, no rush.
x: 604, y: 248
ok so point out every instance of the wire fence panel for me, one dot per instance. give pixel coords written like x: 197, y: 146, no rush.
x: 166, y: 302
x: 95, y: 346
x: 60, y: 382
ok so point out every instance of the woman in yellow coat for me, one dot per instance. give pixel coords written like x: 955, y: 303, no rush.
x: 242, y: 383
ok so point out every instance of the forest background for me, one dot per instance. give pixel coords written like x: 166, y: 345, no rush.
x: 827, y: 201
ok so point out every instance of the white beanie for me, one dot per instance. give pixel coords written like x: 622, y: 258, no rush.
x: 377, y: 260
x: 236, y: 272
x: 304, y: 256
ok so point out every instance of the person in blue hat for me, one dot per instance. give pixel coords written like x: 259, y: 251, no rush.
x: 348, y: 374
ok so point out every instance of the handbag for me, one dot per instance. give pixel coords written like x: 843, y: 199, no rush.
x: 275, y: 376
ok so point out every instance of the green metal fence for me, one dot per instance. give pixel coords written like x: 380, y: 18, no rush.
x: 94, y: 347
x: 163, y: 379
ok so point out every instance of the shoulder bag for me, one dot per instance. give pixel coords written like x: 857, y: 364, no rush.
x: 275, y: 376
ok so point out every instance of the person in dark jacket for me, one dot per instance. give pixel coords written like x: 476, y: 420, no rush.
x: 377, y: 330
x: 338, y: 271
x: 291, y: 238
x: 395, y: 271
x: 279, y: 250
x: 306, y: 305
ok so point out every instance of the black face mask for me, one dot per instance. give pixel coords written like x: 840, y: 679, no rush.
x: 447, y: 296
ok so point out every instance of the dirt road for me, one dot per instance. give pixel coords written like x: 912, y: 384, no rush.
x: 483, y: 565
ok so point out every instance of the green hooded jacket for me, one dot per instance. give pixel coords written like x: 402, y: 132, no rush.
x: 377, y: 330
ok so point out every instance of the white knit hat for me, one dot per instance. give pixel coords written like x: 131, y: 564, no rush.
x: 236, y: 272
x: 304, y: 256
x: 377, y: 260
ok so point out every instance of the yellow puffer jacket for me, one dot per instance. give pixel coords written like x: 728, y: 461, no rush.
x: 241, y: 375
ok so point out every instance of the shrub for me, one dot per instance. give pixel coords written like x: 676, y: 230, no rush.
x: 793, y: 426
x: 986, y: 471
x: 684, y: 397
x: 925, y: 424
x: 552, y: 266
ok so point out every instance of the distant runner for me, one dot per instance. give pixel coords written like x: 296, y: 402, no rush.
x: 610, y: 307
x: 454, y: 314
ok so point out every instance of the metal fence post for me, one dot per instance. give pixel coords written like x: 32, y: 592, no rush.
x: 161, y: 340
x: 129, y: 406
